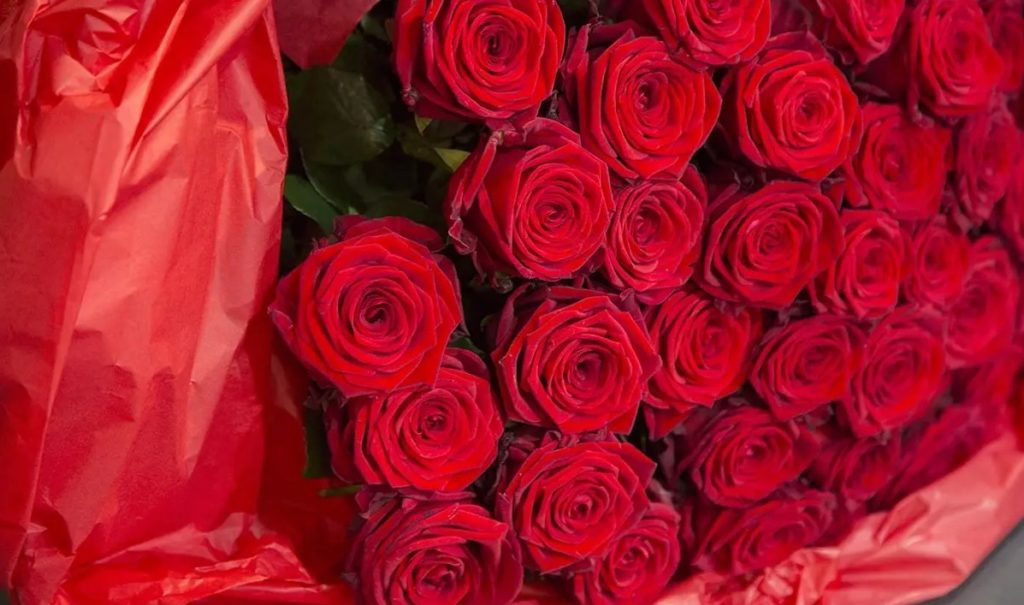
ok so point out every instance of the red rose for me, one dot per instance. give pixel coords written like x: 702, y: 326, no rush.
x: 655, y: 235
x: 901, y: 165
x: 791, y: 109
x: 1007, y: 26
x: 569, y: 502
x: 640, y: 109
x: 532, y: 204
x: 372, y: 312
x: 734, y: 541
x: 488, y: 61
x: 574, y: 359
x: 446, y: 551
x: 705, y: 353
x: 860, y: 30
x: 807, y: 364
x: 433, y: 438
x: 939, y: 252
x: 980, y: 324
x: 855, y: 469
x: 639, y: 564
x: 990, y: 384
x: 762, y: 248
x: 739, y: 455
x: 864, y: 282
x: 901, y: 375
x: 988, y: 147
x: 707, y: 31
x: 1009, y: 218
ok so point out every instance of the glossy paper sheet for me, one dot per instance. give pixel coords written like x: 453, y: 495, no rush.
x: 150, y: 438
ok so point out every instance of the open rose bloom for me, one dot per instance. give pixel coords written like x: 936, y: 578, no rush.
x: 714, y: 302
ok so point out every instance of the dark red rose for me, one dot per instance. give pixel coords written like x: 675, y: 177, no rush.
x: 532, y: 204
x: 988, y: 148
x: 374, y: 311
x: 807, y: 363
x: 990, y: 384
x: 574, y: 359
x: 860, y: 30
x: 733, y: 541
x: 762, y: 248
x: 704, y: 347
x: 1009, y: 218
x: 569, y: 502
x: 901, y: 165
x: 791, y: 109
x: 981, y: 323
x: 434, y: 552
x: 706, y: 31
x: 740, y: 454
x: 488, y: 61
x: 901, y: 375
x: 864, y: 282
x: 433, y: 438
x: 939, y: 252
x: 639, y: 564
x: 655, y: 235
x: 1007, y: 26
x: 640, y: 108
x: 855, y: 469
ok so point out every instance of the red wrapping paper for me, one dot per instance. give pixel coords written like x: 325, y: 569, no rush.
x: 150, y: 437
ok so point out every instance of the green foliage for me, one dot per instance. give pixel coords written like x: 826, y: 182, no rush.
x: 318, y: 455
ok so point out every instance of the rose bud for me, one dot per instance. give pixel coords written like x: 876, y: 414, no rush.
x: 988, y: 149
x: 940, y: 255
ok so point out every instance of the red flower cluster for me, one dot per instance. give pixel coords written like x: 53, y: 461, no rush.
x: 787, y: 232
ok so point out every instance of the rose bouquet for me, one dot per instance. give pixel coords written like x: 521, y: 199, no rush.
x: 600, y: 295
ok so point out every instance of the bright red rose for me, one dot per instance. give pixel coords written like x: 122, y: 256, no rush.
x: 705, y: 355
x: 901, y: 165
x: 433, y: 438
x: 489, y: 61
x: 734, y: 541
x: 988, y: 148
x: 791, y: 109
x: 807, y: 363
x: 864, y: 282
x: 902, y: 373
x: 655, y: 235
x: 434, y: 552
x: 372, y: 312
x: 574, y: 359
x: 860, y: 30
x: 639, y: 564
x: 763, y: 248
x: 569, y: 502
x: 640, y: 108
x: 1007, y: 25
x: 739, y: 454
x: 939, y: 252
x: 531, y: 204
x: 855, y: 469
x: 981, y: 323
x: 1009, y: 218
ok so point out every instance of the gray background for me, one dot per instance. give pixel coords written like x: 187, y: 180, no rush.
x: 998, y: 581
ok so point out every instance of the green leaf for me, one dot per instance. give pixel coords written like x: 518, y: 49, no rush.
x: 422, y: 123
x: 338, y: 117
x: 452, y: 158
x: 410, y: 209
x: 305, y: 198
x: 318, y: 455
x: 343, y: 490
x: 466, y: 343
x: 415, y: 144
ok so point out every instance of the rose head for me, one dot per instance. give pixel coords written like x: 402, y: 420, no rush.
x: 807, y: 363
x: 762, y: 248
x: 990, y: 384
x: 372, y: 312
x: 638, y: 565
x: 860, y: 30
x: 1007, y: 26
x: 570, y: 502
x: 705, y: 355
x: 741, y: 454
x: 988, y: 149
x: 902, y: 373
x: 640, y: 108
x: 901, y: 165
x: 573, y: 359
x: 790, y: 109
x: 981, y: 323
x: 864, y: 282
x: 655, y: 235
x: 940, y: 253
x: 411, y: 552
x: 855, y: 469
x: 433, y: 438
x: 530, y: 204
x: 1009, y: 219
x: 486, y: 60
